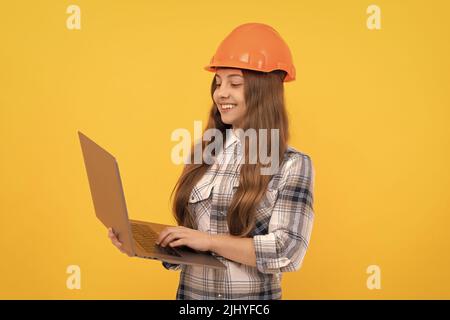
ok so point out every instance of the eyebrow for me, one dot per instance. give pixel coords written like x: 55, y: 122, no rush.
x: 230, y: 75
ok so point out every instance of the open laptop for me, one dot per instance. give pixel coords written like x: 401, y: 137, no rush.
x: 137, y: 237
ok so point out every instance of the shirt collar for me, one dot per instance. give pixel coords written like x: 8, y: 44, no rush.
x: 231, y: 138
x: 228, y: 152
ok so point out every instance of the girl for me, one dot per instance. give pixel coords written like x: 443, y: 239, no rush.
x: 258, y: 225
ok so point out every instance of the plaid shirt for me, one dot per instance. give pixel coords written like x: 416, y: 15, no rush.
x: 283, y: 228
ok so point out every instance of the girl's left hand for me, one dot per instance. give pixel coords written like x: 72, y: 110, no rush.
x: 182, y: 236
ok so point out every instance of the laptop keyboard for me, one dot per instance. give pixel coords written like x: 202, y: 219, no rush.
x: 146, y: 237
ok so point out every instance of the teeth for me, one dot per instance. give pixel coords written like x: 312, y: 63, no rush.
x: 228, y: 106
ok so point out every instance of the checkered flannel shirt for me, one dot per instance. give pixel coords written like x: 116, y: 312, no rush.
x: 281, y: 236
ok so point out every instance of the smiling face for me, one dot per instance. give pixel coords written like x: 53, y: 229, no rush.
x: 229, y: 96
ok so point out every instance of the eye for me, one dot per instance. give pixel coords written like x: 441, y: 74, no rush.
x: 236, y: 84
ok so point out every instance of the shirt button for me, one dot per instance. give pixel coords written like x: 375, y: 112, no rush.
x: 192, y: 198
x: 219, y: 296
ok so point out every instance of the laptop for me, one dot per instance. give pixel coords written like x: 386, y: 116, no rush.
x: 137, y: 237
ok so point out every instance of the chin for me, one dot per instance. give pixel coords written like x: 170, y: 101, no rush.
x: 226, y: 121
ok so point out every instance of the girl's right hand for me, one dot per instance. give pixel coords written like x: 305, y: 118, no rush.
x: 115, y: 241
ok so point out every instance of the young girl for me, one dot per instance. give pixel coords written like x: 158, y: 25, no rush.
x: 258, y: 225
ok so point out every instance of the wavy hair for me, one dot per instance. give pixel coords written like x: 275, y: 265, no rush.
x: 264, y: 99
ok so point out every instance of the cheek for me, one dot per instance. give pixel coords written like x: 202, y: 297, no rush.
x: 242, y: 104
x: 242, y: 111
x: 241, y: 98
x: 237, y: 96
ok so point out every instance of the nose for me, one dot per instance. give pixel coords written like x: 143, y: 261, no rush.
x: 222, y: 91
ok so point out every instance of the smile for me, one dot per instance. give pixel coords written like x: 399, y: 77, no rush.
x: 227, y: 106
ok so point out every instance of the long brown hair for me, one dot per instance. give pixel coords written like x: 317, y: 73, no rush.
x: 264, y: 98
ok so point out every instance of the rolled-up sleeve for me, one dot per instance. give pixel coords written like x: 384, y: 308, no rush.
x: 290, y: 226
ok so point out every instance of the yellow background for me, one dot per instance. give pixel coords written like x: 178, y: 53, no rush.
x: 371, y: 107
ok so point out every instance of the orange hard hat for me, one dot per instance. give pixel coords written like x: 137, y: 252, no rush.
x: 254, y: 46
